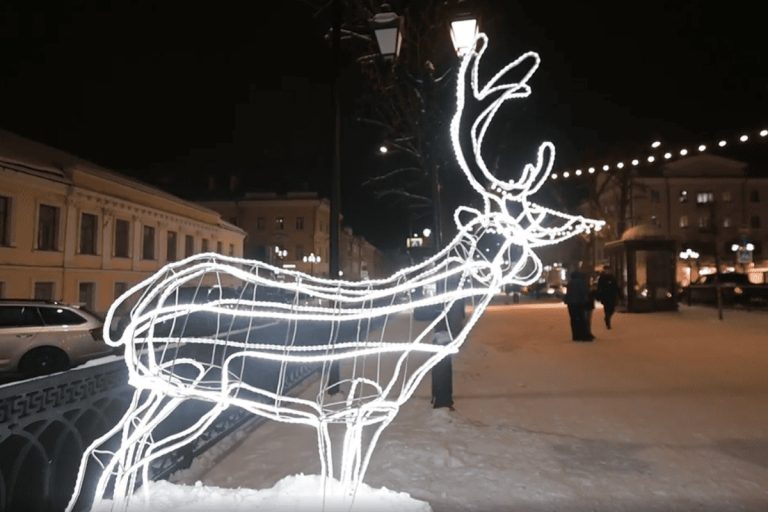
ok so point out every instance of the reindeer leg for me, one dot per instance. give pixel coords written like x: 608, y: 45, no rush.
x: 324, y: 448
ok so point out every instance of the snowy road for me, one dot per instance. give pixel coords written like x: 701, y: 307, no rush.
x: 667, y: 411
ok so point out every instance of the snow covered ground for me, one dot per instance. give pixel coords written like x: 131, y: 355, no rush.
x: 667, y: 411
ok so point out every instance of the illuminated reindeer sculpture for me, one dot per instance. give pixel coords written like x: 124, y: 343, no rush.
x: 326, y: 321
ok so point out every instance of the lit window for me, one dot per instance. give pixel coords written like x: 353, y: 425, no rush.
x: 280, y: 223
x: 683, y: 221
x: 705, y: 197
x: 727, y: 197
x: 726, y: 222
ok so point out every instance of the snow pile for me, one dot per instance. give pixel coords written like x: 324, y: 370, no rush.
x: 296, y: 493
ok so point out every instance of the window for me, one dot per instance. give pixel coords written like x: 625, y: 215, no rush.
x: 280, y: 223
x: 683, y: 197
x: 2, y: 290
x: 205, y: 245
x: 727, y: 197
x: 705, y: 198
x: 299, y: 223
x: 683, y: 221
x: 754, y: 196
x: 60, y: 316
x: 231, y: 249
x: 48, y: 228
x: 219, y: 248
x: 299, y: 252
x: 87, y: 295
x: 655, y: 196
x: 726, y: 222
x: 19, y: 316
x: 754, y: 222
x: 148, y: 243
x: 88, y: 233
x: 5, y: 221
x: 704, y: 222
x: 260, y: 223
x: 122, y: 238
x: 43, y: 291
x: 170, y: 249
x: 189, y: 245
x: 120, y: 288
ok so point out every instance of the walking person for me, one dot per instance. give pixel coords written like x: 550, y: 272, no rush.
x: 607, y: 293
x: 577, y: 297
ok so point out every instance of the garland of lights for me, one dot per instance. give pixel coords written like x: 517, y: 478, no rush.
x: 668, y: 155
x: 168, y: 366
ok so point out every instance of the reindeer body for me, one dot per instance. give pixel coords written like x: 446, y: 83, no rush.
x: 168, y: 366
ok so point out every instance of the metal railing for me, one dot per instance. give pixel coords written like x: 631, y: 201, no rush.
x: 46, y: 424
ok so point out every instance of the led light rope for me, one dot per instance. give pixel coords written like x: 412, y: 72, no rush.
x: 168, y: 366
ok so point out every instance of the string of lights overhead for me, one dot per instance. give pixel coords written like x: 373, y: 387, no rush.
x: 682, y: 152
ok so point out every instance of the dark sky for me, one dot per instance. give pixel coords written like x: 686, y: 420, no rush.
x: 164, y: 87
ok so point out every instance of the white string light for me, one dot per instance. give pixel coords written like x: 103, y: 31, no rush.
x: 684, y: 152
x: 168, y: 366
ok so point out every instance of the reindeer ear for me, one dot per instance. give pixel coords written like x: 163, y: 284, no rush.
x: 510, y: 88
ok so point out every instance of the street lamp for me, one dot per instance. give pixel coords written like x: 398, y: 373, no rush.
x: 281, y: 254
x: 426, y: 232
x: 388, y: 28
x: 743, y: 253
x: 311, y: 259
x: 464, y: 29
x: 691, y: 257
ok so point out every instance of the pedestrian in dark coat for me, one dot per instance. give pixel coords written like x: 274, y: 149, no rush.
x: 607, y: 293
x: 577, y: 297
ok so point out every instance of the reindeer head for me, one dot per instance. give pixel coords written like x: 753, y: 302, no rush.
x: 517, y: 224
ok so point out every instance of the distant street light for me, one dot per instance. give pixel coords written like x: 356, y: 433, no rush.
x: 311, y: 259
x: 280, y: 253
x: 426, y: 232
x: 383, y: 149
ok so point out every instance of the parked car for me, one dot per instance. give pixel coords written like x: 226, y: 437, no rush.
x: 735, y: 287
x: 39, y: 337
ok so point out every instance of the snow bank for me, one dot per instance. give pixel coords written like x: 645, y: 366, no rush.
x: 296, y: 493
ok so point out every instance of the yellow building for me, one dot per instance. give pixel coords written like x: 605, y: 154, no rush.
x: 71, y: 230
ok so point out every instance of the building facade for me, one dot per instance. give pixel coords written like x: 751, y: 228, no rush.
x: 285, y: 230
x: 708, y: 204
x: 73, y: 231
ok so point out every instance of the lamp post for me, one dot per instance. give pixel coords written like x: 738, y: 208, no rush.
x: 388, y: 30
x: 311, y: 259
x: 743, y: 254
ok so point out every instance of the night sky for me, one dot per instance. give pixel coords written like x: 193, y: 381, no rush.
x: 175, y: 89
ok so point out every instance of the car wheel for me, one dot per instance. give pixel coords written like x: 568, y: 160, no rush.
x: 42, y: 361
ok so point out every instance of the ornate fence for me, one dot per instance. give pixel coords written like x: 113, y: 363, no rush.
x: 46, y: 424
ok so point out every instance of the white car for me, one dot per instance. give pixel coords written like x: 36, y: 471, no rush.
x: 39, y: 337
